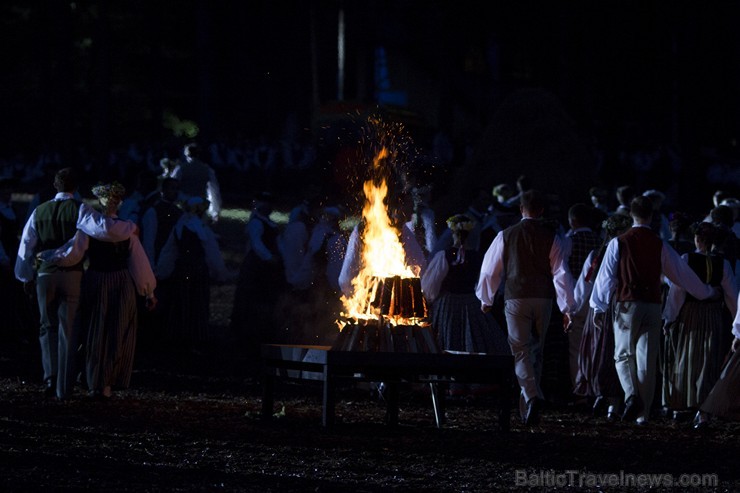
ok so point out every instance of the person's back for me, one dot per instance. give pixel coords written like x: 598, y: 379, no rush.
x: 51, y: 225
x: 292, y: 243
x: 631, y: 273
x: 193, y: 178
x: 640, y: 265
x: 625, y: 194
x: 160, y: 218
x: 167, y: 213
x: 681, y: 238
x: 135, y: 205
x: 526, y: 260
x: 56, y: 223
x: 198, y: 179
x: 582, y: 237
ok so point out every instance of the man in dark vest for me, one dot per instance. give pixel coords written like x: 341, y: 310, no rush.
x: 50, y: 226
x: 631, y: 271
x: 529, y: 260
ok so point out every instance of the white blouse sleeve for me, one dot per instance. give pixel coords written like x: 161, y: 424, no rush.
x: 491, y: 272
x: 606, y: 280
x: 69, y: 254
x: 729, y: 288
x: 140, y: 269
x: 431, y: 281
x: 102, y: 227
x: 675, y: 298
x: 351, y: 264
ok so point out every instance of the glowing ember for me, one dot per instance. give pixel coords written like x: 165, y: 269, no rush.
x: 383, y: 258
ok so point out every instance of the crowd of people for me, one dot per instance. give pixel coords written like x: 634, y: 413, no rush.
x: 646, y: 298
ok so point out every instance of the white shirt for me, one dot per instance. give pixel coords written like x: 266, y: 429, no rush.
x: 434, y: 276
x: 676, y: 270
x: 492, y: 273
x: 213, y: 190
x: 90, y: 221
x: 72, y: 253
x: 677, y: 295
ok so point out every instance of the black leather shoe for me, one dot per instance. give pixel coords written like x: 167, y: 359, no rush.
x: 632, y: 408
x: 532, y: 416
x: 701, y: 421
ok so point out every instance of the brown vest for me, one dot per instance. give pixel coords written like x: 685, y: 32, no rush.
x: 640, y: 266
x: 527, y: 246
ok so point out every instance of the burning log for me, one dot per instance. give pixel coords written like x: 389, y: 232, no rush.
x: 400, y: 324
x: 399, y: 297
x: 374, y: 336
x: 386, y: 310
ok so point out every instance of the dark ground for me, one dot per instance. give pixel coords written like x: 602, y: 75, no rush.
x: 192, y: 424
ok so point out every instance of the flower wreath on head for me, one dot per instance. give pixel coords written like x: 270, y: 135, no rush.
x: 113, y: 190
x: 460, y: 222
x: 616, y: 223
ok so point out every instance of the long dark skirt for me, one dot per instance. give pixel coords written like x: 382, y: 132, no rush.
x: 462, y: 326
x: 724, y: 398
x: 109, y: 315
x: 189, y: 304
x: 691, y: 358
x: 597, y: 376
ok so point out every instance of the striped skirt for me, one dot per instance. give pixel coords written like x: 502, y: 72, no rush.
x: 109, y: 316
x: 691, y: 355
x: 597, y: 376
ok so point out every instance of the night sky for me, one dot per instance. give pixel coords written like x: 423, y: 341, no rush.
x: 626, y: 75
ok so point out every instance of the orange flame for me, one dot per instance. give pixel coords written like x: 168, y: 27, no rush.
x: 383, y: 255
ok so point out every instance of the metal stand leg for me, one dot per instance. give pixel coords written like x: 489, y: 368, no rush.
x: 437, y: 416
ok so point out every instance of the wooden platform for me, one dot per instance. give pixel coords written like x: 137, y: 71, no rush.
x: 327, y: 365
